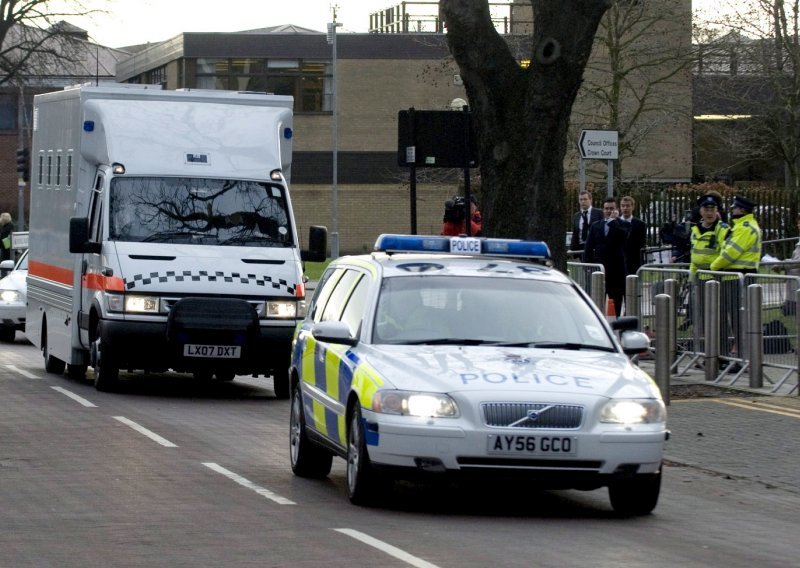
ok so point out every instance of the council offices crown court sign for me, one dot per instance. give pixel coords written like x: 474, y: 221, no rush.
x: 599, y: 145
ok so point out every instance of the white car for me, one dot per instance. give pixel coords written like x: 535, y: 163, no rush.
x: 439, y: 355
x: 13, y: 298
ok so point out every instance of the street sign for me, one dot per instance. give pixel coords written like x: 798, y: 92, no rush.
x: 599, y: 144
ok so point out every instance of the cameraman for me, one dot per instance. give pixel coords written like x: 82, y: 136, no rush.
x: 454, y: 222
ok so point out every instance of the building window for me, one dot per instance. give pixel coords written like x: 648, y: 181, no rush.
x: 309, y: 82
x: 8, y: 112
x: 156, y: 76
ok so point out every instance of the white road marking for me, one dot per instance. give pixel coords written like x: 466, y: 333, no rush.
x: 74, y: 397
x: 387, y: 548
x: 142, y: 430
x: 249, y: 484
x: 25, y: 374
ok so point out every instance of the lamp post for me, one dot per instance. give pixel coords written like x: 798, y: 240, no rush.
x: 334, y: 140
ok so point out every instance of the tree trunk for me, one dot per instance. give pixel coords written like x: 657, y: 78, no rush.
x: 522, y: 114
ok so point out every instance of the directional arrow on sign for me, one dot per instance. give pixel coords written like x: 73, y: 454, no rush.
x: 599, y: 144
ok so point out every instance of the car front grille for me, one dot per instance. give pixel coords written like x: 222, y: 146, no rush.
x: 532, y: 415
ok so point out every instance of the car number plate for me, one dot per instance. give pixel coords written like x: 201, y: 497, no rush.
x: 527, y: 445
x: 212, y: 351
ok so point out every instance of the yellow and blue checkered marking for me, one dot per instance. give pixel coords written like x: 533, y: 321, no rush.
x: 335, y: 370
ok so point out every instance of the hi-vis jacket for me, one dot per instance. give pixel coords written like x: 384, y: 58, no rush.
x: 742, y: 250
x: 707, y: 245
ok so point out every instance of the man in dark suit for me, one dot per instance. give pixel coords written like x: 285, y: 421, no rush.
x: 637, y: 235
x: 605, y: 244
x: 582, y: 220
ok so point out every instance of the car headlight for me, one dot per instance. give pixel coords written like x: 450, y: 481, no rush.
x: 142, y: 304
x: 407, y: 403
x: 10, y: 296
x: 282, y: 309
x: 649, y: 411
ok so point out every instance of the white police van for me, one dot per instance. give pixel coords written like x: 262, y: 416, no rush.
x: 440, y: 355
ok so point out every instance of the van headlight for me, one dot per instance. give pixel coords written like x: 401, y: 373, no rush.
x: 650, y: 411
x: 282, y: 309
x: 142, y: 304
x: 407, y: 403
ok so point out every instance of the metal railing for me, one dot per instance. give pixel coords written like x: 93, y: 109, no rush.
x: 729, y: 324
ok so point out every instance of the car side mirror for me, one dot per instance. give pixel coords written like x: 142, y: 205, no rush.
x: 317, y: 244
x: 79, y: 241
x: 634, y: 342
x: 333, y: 332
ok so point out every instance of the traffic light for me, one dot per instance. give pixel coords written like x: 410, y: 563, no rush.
x: 23, y: 163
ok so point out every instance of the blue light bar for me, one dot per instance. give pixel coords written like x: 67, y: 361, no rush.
x: 462, y: 245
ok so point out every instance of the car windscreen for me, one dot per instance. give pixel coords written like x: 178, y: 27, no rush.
x: 481, y: 310
x: 198, y: 211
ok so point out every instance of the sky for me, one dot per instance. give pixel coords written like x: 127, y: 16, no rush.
x: 131, y: 22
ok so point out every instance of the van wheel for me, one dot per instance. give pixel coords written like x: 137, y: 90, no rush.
x: 106, y: 372
x: 52, y: 364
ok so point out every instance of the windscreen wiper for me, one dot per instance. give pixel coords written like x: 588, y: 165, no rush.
x: 571, y: 346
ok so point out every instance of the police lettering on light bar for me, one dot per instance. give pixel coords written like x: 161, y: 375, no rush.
x: 462, y: 245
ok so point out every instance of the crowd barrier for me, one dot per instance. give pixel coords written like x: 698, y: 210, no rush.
x: 767, y: 300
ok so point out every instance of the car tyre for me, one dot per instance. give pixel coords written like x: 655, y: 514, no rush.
x: 280, y: 384
x: 52, y: 364
x: 106, y: 372
x: 364, y: 484
x: 8, y: 334
x: 635, y: 497
x: 307, y: 459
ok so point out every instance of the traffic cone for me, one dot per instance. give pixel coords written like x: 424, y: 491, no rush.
x: 610, y: 308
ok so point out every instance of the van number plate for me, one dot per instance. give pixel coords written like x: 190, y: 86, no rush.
x: 213, y: 351
x: 532, y: 445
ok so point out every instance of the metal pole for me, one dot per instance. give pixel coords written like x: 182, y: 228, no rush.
x: 797, y: 336
x: 663, y: 357
x: 468, y: 211
x: 22, y: 143
x: 599, y: 290
x: 611, y: 178
x: 334, y: 142
x: 411, y: 158
x: 711, y: 327
x: 632, y: 297
x: 671, y: 289
x: 582, y: 174
x: 755, y: 335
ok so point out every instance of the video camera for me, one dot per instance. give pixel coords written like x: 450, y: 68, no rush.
x: 455, y: 210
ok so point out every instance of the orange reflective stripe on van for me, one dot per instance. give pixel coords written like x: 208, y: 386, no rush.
x: 50, y: 272
x: 95, y: 281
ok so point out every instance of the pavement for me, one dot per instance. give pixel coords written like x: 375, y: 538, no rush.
x: 734, y: 431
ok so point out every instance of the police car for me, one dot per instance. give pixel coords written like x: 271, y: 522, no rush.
x: 440, y: 355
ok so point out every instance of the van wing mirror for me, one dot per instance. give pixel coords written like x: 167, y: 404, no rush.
x: 79, y: 236
x: 317, y: 244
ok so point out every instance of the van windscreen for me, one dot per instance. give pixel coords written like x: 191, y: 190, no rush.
x: 199, y: 211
